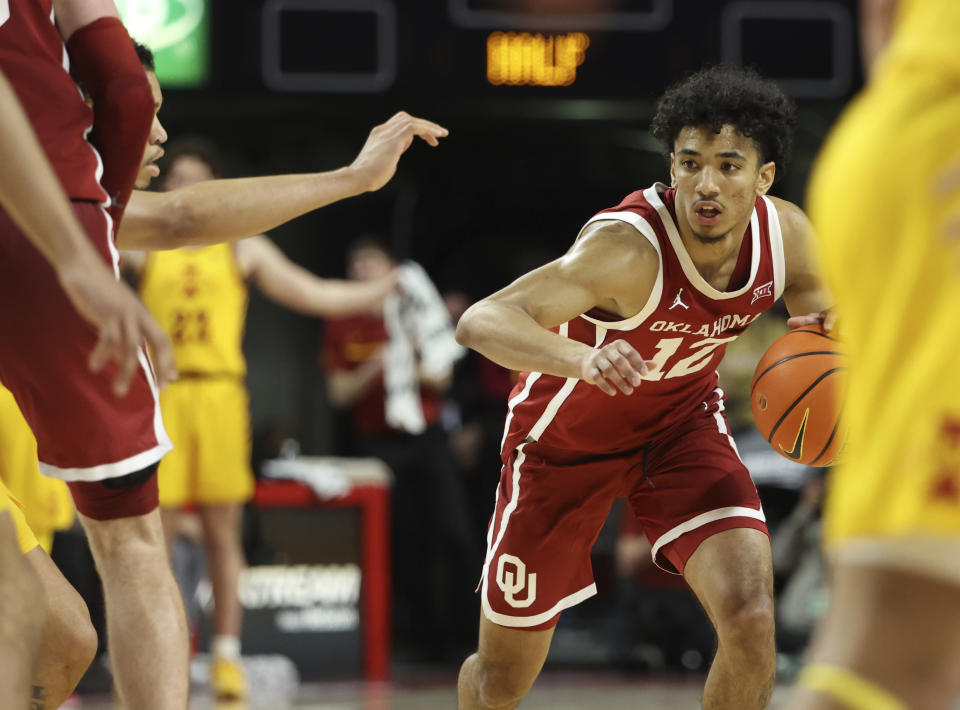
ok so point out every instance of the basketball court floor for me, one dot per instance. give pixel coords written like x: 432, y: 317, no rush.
x: 553, y: 691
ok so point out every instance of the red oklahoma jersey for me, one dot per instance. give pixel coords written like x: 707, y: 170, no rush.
x: 685, y: 326
x: 34, y: 60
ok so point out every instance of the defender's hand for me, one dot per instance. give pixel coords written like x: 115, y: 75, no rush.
x: 616, y: 366
x: 123, y: 322
x: 377, y: 161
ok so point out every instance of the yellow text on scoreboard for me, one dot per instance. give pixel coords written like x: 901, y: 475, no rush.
x: 522, y: 58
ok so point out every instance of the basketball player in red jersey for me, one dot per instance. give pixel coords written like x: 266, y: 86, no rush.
x: 107, y: 448
x: 104, y: 445
x: 618, y: 342
x: 30, y: 191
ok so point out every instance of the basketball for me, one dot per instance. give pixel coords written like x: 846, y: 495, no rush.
x: 796, y: 396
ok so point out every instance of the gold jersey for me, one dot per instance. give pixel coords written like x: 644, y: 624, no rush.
x: 896, y: 278
x: 199, y: 298
x: 43, y: 504
x: 926, y: 33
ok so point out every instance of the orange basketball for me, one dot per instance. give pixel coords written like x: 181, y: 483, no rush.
x: 796, y: 396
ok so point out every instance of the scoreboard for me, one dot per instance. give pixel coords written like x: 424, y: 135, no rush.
x: 551, y: 48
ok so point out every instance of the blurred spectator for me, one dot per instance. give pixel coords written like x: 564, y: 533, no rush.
x: 798, y: 560
x: 658, y: 624
x: 473, y: 416
x: 390, y: 367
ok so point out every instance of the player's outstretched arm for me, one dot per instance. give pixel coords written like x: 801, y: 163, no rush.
x: 610, y: 266
x: 226, y: 210
x: 292, y: 286
x: 34, y: 198
x: 805, y: 294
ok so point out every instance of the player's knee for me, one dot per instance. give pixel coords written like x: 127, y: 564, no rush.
x: 76, y: 640
x: 501, y: 684
x: 137, y: 538
x: 746, y: 618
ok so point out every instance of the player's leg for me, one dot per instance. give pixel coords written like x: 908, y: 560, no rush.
x: 21, y: 620
x: 69, y: 641
x: 550, y: 508
x: 221, y: 538
x: 225, y: 560
x: 890, y: 641
x: 220, y: 428
x: 702, y: 513
x: 732, y: 575
x: 146, y: 625
x: 504, y: 667
x: 170, y: 522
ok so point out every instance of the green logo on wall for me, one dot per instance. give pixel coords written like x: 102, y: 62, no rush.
x: 177, y: 32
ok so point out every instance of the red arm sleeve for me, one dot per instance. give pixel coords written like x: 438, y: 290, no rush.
x: 105, y: 61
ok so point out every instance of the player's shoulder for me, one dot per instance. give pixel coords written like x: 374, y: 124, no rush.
x: 616, y: 237
x: 794, y: 223
x: 612, y: 256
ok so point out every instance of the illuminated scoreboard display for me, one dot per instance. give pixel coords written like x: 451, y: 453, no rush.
x: 177, y: 33
x: 556, y: 48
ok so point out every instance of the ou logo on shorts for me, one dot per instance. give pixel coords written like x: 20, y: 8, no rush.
x: 514, y: 579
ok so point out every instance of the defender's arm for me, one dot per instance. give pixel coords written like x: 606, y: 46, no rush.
x: 292, y: 286
x: 226, y: 210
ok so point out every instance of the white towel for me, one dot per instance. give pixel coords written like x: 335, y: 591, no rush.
x: 420, y: 339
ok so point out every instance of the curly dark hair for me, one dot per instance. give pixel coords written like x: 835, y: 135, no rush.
x: 722, y: 94
x: 145, y: 55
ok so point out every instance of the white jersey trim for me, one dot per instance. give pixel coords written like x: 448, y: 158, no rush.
x: 722, y: 423
x: 699, y: 521
x: 776, y: 248
x: 504, y: 519
x: 519, y: 621
x: 550, y: 412
x: 133, y: 464
x: 689, y: 269
x: 159, y: 431
x: 524, y: 393
x: 548, y: 415
x: 642, y: 226
x: 528, y: 621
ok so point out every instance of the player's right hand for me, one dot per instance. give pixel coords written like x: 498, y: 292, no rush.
x: 123, y: 321
x: 377, y: 161
x: 616, y: 366
x: 825, y: 319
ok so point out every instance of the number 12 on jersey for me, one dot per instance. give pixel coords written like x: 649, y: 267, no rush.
x: 668, y: 347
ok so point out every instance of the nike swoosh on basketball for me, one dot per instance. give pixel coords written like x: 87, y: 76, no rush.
x: 797, y: 451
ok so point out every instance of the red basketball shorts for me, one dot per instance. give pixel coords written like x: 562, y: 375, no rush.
x: 551, y: 504
x: 84, y: 432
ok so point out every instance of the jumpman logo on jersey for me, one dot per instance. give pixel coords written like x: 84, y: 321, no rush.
x: 678, y: 302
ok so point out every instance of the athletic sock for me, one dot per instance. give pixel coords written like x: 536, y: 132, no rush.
x: 848, y: 688
x: 226, y: 647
